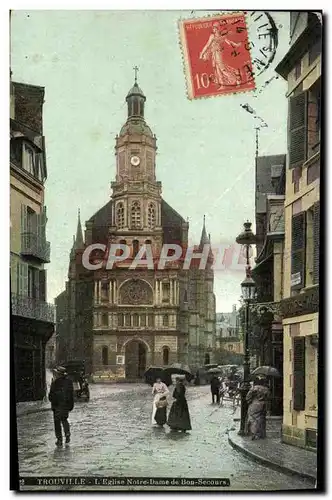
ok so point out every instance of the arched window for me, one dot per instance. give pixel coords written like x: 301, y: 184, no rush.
x: 135, y: 319
x: 165, y: 320
x: 105, y: 291
x: 120, y: 251
x: 104, y: 355
x: 120, y: 218
x: 120, y: 319
x: 151, y: 216
x: 207, y: 359
x: 127, y: 320
x: 165, y: 355
x: 143, y: 320
x: 135, y: 215
x: 104, y: 319
x: 151, y: 319
x: 135, y: 247
x: 136, y: 102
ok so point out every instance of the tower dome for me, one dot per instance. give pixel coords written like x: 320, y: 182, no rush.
x: 135, y: 123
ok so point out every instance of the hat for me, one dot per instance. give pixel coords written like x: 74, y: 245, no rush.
x: 61, y: 370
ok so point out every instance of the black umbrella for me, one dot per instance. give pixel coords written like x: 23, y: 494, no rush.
x: 265, y: 371
x: 214, y: 370
x: 154, y: 372
x: 207, y: 367
x: 179, y: 369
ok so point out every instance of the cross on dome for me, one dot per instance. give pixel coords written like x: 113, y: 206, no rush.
x: 136, y: 69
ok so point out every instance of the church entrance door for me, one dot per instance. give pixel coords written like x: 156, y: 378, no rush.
x: 135, y: 358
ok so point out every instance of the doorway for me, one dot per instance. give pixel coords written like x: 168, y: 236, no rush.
x: 135, y: 356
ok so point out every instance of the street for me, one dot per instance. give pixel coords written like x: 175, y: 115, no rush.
x: 112, y: 436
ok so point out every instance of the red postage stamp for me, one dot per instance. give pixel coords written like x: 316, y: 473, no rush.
x: 216, y: 55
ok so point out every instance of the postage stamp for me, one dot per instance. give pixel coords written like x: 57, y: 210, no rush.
x: 216, y: 55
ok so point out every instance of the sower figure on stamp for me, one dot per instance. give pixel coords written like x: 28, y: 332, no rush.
x: 224, y: 74
x: 61, y: 397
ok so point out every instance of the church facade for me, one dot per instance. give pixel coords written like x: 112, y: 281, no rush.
x: 122, y: 320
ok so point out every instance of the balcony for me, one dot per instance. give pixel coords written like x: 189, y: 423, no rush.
x: 306, y: 302
x: 28, y: 307
x: 34, y: 245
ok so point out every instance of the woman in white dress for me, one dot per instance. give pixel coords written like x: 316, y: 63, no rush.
x: 159, y: 391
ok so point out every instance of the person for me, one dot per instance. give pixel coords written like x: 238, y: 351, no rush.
x: 61, y: 397
x: 215, y: 388
x: 224, y: 74
x: 257, y: 407
x: 179, y: 418
x: 160, y: 392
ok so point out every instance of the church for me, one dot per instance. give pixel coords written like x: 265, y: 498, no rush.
x: 121, y: 320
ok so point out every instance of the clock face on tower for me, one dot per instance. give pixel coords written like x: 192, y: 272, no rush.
x: 135, y: 161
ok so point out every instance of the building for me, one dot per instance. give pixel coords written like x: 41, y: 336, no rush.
x: 301, y: 67
x: 229, y: 337
x: 228, y: 320
x: 122, y: 320
x: 267, y: 335
x: 32, y: 317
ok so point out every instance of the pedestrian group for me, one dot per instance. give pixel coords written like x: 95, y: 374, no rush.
x: 178, y: 418
x: 61, y: 396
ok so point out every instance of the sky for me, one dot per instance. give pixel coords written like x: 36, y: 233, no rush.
x: 206, y: 147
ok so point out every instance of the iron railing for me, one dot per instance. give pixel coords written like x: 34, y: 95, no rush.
x: 28, y: 307
x: 36, y: 246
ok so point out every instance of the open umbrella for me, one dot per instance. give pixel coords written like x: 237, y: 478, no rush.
x: 265, y: 371
x: 179, y: 369
x: 207, y: 367
x: 154, y: 372
x: 214, y: 370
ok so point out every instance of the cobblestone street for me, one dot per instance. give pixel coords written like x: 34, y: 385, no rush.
x: 112, y: 436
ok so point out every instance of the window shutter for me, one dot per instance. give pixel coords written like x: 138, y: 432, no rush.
x: 18, y: 284
x: 42, y: 285
x: 316, y: 242
x: 298, y: 251
x: 297, y: 129
x: 24, y: 218
x: 22, y: 279
x: 299, y: 373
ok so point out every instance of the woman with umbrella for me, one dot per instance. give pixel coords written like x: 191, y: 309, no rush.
x: 160, y: 392
x: 179, y: 418
x: 257, y: 400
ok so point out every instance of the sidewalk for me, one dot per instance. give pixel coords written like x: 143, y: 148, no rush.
x: 28, y: 407
x: 272, y: 453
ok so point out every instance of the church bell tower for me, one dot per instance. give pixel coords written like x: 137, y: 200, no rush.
x: 136, y: 192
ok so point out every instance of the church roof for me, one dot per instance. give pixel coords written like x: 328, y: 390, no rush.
x: 135, y: 90
x: 136, y: 126
x: 169, y: 216
x: 171, y: 222
x: 103, y: 216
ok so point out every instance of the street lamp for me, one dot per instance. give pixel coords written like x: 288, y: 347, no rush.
x: 246, y: 238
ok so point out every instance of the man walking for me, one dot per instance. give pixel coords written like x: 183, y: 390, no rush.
x: 61, y: 397
x: 215, y: 386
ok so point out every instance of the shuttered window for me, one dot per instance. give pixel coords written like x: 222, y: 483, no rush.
x: 299, y: 373
x: 22, y: 278
x: 42, y: 285
x: 298, y: 251
x: 316, y: 242
x: 297, y: 129
x: 24, y: 218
